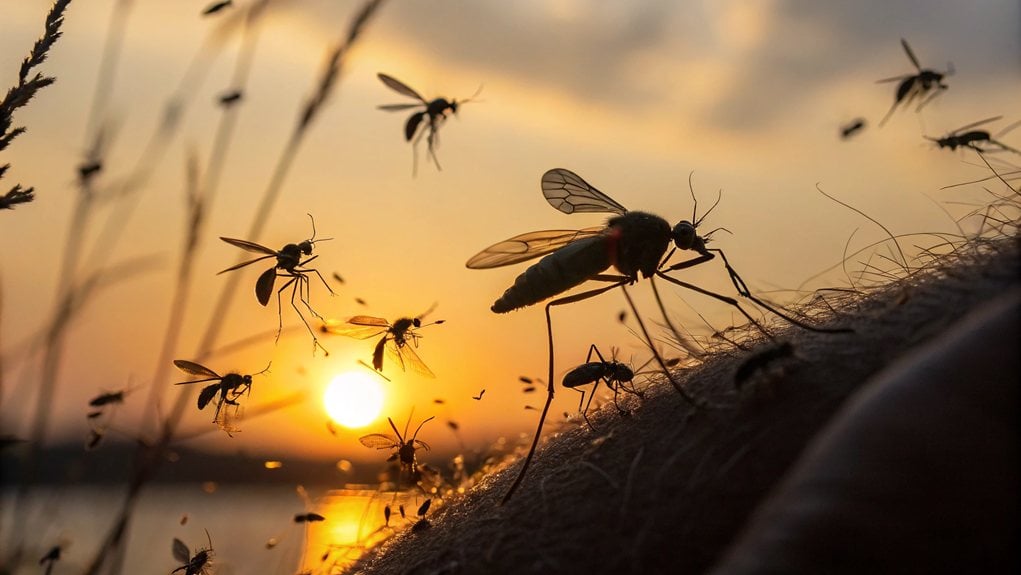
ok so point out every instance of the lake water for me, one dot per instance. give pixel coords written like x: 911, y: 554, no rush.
x: 252, y: 529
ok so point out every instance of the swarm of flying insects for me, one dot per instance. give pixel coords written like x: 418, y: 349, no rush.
x: 616, y: 375
x: 289, y: 265
x: 979, y: 140
x: 101, y: 415
x: 399, y: 339
x: 635, y: 243
x: 923, y: 86
x: 230, y: 388
x: 434, y: 113
x: 404, y: 447
x: 196, y: 564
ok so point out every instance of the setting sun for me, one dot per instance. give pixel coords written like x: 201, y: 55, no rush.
x: 353, y: 399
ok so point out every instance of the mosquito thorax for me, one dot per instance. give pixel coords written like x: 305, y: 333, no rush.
x: 622, y: 372
x: 641, y: 240
x: 407, y: 453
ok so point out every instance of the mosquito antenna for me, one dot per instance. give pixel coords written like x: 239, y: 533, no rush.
x: 394, y: 427
x: 691, y: 189
x: 719, y: 196
x: 413, y: 437
x: 473, y: 96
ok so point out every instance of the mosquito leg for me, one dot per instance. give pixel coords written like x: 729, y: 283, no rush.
x: 680, y: 338
x: 280, y: 313
x: 744, y: 291
x: 619, y: 281
x: 659, y: 359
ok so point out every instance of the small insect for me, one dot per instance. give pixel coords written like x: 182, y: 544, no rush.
x: 404, y: 447
x: 923, y: 86
x: 479, y: 396
x: 290, y: 265
x: 216, y: 7
x: 230, y: 387
x: 978, y: 140
x: 17, y: 195
x: 108, y: 398
x: 851, y: 128
x: 614, y: 374
x: 422, y: 523
x: 434, y: 111
x: 399, y: 340
x: 51, y: 558
x: 760, y: 360
x: 193, y: 564
x: 95, y: 436
x: 635, y: 243
x: 228, y: 99
x: 88, y: 169
x: 308, y: 518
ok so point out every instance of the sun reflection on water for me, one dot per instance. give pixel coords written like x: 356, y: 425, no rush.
x: 354, y: 522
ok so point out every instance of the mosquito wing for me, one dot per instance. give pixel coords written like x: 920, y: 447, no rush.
x: 910, y: 53
x: 378, y: 441
x: 248, y: 247
x: 527, y: 246
x: 397, y: 107
x: 567, y: 192
x: 975, y: 124
x: 400, y: 87
x: 193, y: 368
x: 405, y: 355
x: 351, y: 330
x: 180, y: 551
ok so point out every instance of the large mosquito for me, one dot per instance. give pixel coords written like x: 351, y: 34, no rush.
x: 435, y: 111
x: 968, y: 137
x: 633, y: 242
x: 290, y: 265
x: 230, y: 387
x: 924, y: 85
x: 399, y: 340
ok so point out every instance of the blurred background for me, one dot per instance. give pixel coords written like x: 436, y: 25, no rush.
x: 634, y: 97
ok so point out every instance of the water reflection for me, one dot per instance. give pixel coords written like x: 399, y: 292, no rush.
x: 354, y: 522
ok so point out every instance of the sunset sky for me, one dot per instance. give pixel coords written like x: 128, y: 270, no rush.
x: 632, y: 96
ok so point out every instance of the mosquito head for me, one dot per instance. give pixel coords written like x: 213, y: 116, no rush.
x: 416, y: 322
x: 686, y: 238
x: 622, y: 372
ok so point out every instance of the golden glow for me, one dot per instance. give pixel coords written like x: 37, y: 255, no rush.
x: 273, y: 464
x: 354, y: 399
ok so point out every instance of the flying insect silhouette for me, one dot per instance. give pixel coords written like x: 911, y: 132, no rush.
x: 399, y: 340
x: 433, y: 114
x: 230, y: 387
x: 193, y: 564
x: 967, y: 137
x: 290, y: 265
x: 923, y: 86
x: 404, y: 446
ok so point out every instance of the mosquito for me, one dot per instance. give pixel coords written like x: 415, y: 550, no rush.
x: 399, y: 340
x: 290, y: 265
x: 851, y: 128
x: 193, y: 564
x: 230, y: 387
x: 635, y: 243
x: 924, y: 86
x: 434, y: 111
x: 967, y: 137
x: 614, y: 374
x: 404, y: 446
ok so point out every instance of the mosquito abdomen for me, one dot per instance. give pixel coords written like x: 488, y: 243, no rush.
x: 556, y: 273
